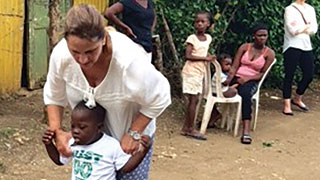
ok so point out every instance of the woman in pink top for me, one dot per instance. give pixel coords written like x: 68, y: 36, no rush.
x: 250, y: 63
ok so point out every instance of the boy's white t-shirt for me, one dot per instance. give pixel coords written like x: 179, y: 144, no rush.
x: 97, y: 161
x: 224, y: 77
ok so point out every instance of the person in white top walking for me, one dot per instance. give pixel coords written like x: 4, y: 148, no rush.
x: 299, y: 23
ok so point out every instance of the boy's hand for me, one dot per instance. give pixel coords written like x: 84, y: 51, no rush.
x: 48, y: 137
x: 145, y: 143
x: 226, y: 82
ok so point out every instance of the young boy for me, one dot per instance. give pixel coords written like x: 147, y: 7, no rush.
x: 95, y: 155
x: 225, y: 62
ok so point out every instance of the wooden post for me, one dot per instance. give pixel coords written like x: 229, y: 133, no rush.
x: 170, y: 39
x: 157, y: 53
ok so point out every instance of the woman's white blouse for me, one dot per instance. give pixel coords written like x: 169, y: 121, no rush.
x: 294, y: 25
x: 131, y: 85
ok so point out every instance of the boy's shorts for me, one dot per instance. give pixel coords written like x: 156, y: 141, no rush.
x: 192, y: 84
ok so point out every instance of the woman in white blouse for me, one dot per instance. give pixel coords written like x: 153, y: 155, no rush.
x: 299, y: 23
x: 94, y: 65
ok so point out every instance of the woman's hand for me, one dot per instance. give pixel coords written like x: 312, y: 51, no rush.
x: 129, y: 145
x: 62, y: 138
x: 306, y: 28
x: 243, y: 80
x: 129, y: 32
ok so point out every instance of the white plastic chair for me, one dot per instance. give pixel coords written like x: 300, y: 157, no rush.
x: 255, y: 98
x: 228, y: 112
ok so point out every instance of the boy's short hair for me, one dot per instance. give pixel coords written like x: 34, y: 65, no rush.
x: 98, y: 111
x: 223, y: 56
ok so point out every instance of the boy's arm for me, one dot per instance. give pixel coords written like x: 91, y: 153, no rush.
x: 53, y: 154
x: 137, y: 158
x: 50, y: 147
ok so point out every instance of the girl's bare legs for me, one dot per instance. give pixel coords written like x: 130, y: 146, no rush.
x: 190, y: 113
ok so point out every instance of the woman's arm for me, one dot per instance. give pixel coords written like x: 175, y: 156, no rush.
x: 55, y: 98
x: 137, y: 158
x: 291, y: 22
x: 110, y: 14
x: 55, y: 114
x: 191, y: 57
x: 154, y: 22
x: 151, y: 90
x: 236, y: 63
x: 313, y: 23
x: 128, y: 144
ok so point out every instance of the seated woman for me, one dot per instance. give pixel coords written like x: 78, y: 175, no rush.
x: 250, y: 63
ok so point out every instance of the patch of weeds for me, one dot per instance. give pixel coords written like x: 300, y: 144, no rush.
x: 2, y: 168
x: 267, y: 144
x: 178, y: 107
x: 6, y: 133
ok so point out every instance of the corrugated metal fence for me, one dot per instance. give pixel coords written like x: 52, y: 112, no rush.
x: 99, y: 4
x: 11, y: 44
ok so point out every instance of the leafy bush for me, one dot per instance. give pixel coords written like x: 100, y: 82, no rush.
x: 233, y: 21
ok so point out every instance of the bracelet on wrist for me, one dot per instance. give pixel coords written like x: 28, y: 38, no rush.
x: 134, y: 134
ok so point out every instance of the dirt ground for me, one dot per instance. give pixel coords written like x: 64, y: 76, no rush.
x: 284, y: 148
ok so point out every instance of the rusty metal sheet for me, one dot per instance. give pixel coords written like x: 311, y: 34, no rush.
x: 99, y: 4
x: 11, y: 44
x: 37, y: 42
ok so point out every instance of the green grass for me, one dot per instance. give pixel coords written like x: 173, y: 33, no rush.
x: 2, y: 168
x: 6, y: 132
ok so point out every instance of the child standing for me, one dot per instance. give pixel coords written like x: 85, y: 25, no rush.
x: 225, y: 62
x: 91, y: 158
x: 194, y: 70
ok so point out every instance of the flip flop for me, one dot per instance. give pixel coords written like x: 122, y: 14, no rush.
x: 301, y: 107
x: 196, y: 135
x: 246, y: 139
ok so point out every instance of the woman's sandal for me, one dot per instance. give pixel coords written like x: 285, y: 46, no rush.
x: 305, y: 109
x: 246, y: 139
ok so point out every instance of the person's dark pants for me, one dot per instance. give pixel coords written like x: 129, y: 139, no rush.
x: 246, y: 91
x: 292, y: 58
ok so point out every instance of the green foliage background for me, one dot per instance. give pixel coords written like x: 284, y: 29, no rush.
x: 230, y: 31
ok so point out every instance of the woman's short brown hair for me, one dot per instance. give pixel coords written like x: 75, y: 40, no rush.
x: 86, y: 22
